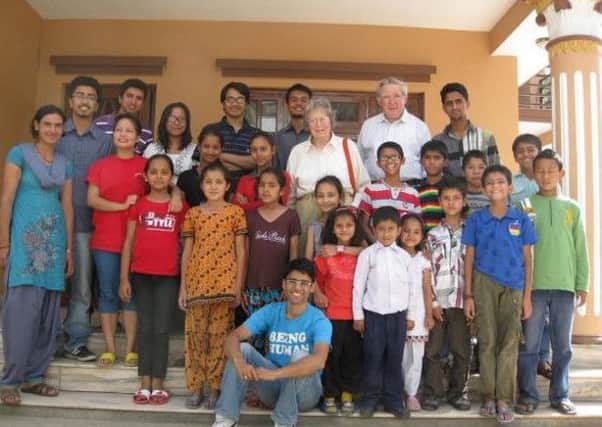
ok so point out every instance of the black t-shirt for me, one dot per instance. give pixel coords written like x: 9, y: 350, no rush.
x: 190, y: 183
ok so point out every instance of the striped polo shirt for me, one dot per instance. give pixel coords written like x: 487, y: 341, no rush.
x: 378, y: 194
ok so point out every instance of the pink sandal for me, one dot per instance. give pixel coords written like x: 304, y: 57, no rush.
x: 159, y: 397
x: 142, y: 396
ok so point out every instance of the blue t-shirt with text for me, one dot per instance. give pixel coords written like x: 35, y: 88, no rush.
x: 288, y: 336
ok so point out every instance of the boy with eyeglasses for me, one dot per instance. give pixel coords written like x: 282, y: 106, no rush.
x: 288, y: 378
x: 390, y: 191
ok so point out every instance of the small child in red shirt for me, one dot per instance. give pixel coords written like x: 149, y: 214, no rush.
x: 334, y: 275
x: 263, y: 151
x: 149, y: 263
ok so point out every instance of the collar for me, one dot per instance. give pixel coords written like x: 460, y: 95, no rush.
x: 402, y: 119
x: 469, y: 128
x: 330, y: 145
x: 93, y: 130
x: 445, y: 224
x: 224, y: 122
x: 511, y: 213
x: 290, y: 128
x: 394, y: 247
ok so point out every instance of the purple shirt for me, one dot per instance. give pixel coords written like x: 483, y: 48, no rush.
x: 107, y: 122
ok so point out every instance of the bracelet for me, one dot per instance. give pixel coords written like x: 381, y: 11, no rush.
x: 5, y: 246
x: 466, y: 296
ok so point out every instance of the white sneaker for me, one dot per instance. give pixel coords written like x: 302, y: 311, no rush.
x: 223, y: 422
x: 284, y: 425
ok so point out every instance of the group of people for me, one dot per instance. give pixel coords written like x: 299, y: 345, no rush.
x: 350, y: 269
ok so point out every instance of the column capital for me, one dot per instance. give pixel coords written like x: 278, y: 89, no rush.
x: 565, y: 18
x: 574, y: 44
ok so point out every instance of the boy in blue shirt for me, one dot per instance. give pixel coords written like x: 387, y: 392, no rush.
x: 497, y: 288
x: 288, y: 378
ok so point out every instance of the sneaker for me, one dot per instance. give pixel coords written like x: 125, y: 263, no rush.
x: 347, y: 408
x: 430, y: 403
x: 223, y: 422
x: 81, y: 354
x: 284, y: 425
x: 329, y: 406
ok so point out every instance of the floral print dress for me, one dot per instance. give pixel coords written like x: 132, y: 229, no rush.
x: 37, y: 234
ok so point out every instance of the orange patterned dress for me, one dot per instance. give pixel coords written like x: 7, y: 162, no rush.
x: 209, y: 279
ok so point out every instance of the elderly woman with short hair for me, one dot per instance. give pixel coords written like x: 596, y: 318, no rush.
x: 324, y: 153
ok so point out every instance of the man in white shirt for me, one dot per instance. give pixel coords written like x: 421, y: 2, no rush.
x: 395, y: 124
x: 381, y: 301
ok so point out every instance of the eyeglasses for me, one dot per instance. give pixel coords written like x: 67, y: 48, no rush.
x: 235, y: 99
x: 83, y: 96
x: 176, y: 120
x: 298, y: 282
x: 393, y: 158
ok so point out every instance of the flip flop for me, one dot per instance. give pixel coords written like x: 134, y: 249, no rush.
x: 504, y: 415
x: 487, y: 409
x: 41, y: 389
x: 131, y: 359
x: 10, y: 396
x: 524, y: 407
x: 159, y: 397
x: 141, y: 397
x: 106, y: 359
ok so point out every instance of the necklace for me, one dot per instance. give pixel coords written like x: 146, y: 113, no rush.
x: 46, y: 160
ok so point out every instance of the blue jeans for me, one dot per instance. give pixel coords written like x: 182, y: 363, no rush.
x: 77, y: 324
x: 544, y: 347
x: 107, y: 269
x: 287, y: 396
x: 561, y: 306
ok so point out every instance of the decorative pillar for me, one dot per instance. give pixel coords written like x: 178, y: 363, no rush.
x: 575, y: 51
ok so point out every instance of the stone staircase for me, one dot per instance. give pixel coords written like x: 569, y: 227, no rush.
x: 102, y: 396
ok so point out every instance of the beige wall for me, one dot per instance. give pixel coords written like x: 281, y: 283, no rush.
x: 20, y: 28
x: 192, y: 47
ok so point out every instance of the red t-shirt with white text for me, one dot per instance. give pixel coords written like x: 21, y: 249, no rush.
x: 155, y: 248
x: 116, y: 179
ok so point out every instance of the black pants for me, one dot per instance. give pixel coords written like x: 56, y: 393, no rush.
x: 456, y: 331
x: 156, y: 299
x: 384, y: 339
x: 343, y: 371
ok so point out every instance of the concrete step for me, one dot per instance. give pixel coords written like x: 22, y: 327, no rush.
x: 73, y: 376
x: 103, y: 409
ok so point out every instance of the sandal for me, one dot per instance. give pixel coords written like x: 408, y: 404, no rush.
x: 524, y: 407
x: 195, y: 400
x: 41, y: 389
x: 544, y: 369
x: 159, y: 397
x: 141, y: 397
x: 106, y: 359
x: 131, y: 359
x: 212, y: 399
x: 487, y: 409
x: 504, y: 415
x: 10, y: 396
x: 565, y: 406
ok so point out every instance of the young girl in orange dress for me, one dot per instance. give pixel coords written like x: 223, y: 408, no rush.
x: 213, y: 269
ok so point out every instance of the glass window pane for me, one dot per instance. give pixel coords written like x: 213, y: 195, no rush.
x: 346, y: 111
x: 269, y: 110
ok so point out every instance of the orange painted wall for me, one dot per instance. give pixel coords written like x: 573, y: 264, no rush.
x: 192, y: 47
x: 20, y: 29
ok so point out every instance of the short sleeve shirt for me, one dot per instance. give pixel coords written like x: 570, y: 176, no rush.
x: 155, y: 248
x: 288, y: 336
x: 116, y: 179
x: 270, y: 241
x: 499, y: 243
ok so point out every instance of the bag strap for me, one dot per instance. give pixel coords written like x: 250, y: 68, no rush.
x: 349, y: 165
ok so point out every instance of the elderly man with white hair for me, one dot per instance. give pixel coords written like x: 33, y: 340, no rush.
x: 396, y: 124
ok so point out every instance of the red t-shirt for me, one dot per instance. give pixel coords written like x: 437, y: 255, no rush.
x: 155, y: 248
x: 246, y: 187
x: 116, y: 179
x: 334, y: 275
